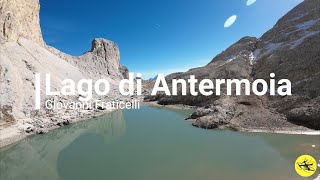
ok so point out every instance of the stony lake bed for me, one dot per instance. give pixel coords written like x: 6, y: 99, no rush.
x: 154, y: 143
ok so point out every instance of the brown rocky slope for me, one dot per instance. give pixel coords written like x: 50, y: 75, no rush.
x: 290, y: 50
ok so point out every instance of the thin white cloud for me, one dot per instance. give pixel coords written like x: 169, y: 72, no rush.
x: 230, y: 21
x: 157, y: 26
x: 250, y: 2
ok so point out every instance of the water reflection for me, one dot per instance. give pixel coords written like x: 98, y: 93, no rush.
x: 153, y: 143
x: 110, y: 127
x: 290, y: 146
x: 179, y: 111
x: 36, y: 157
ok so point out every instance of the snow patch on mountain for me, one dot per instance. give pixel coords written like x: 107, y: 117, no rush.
x: 307, y: 24
x: 251, y: 58
x: 306, y: 35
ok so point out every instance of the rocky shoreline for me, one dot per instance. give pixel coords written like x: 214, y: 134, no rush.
x: 200, y: 112
x: 17, y: 132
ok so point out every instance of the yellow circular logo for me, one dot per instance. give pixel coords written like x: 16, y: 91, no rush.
x: 305, y: 165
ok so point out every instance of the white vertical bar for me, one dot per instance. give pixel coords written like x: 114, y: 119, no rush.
x: 37, y: 91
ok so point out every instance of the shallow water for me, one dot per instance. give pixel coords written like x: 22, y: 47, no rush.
x: 153, y: 144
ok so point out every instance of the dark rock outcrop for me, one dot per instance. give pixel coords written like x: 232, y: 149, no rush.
x: 5, y: 115
x: 124, y: 71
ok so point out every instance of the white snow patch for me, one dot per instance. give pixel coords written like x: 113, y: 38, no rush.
x: 231, y: 59
x: 272, y: 46
x: 307, y: 34
x: 306, y: 25
x: 256, y: 54
x: 304, y: 14
x: 268, y: 49
x: 298, y: 17
x: 302, y: 26
x: 251, y: 58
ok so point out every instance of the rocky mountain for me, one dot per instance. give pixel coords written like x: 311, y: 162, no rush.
x: 102, y: 61
x: 291, y: 50
x: 153, y: 79
x: 23, y: 53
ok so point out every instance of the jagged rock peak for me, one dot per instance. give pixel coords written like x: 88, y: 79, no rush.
x: 244, y: 45
x: 107, y: 50
x: 20, y: 18
x: 124, y: 72
x: 100, y: 46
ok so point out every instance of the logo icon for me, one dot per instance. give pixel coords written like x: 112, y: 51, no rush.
x: 305, y: 165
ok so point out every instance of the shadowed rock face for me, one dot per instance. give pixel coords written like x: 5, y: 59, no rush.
x: 124, y: 71
x: 290, y: 50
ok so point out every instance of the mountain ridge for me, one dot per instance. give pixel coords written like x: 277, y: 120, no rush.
x: 24, y: 53
x: 290, y: 50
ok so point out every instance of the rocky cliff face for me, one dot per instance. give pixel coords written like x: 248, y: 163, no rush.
x: 290, y: 50
x: 20, y: 18
x: 106, y: 50
x: 102, y: 61
x: 23, y: 54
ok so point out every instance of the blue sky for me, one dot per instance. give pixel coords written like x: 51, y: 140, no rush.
x: 157, y: 36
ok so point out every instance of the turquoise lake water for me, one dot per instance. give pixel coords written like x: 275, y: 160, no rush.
x: 153, y: 144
